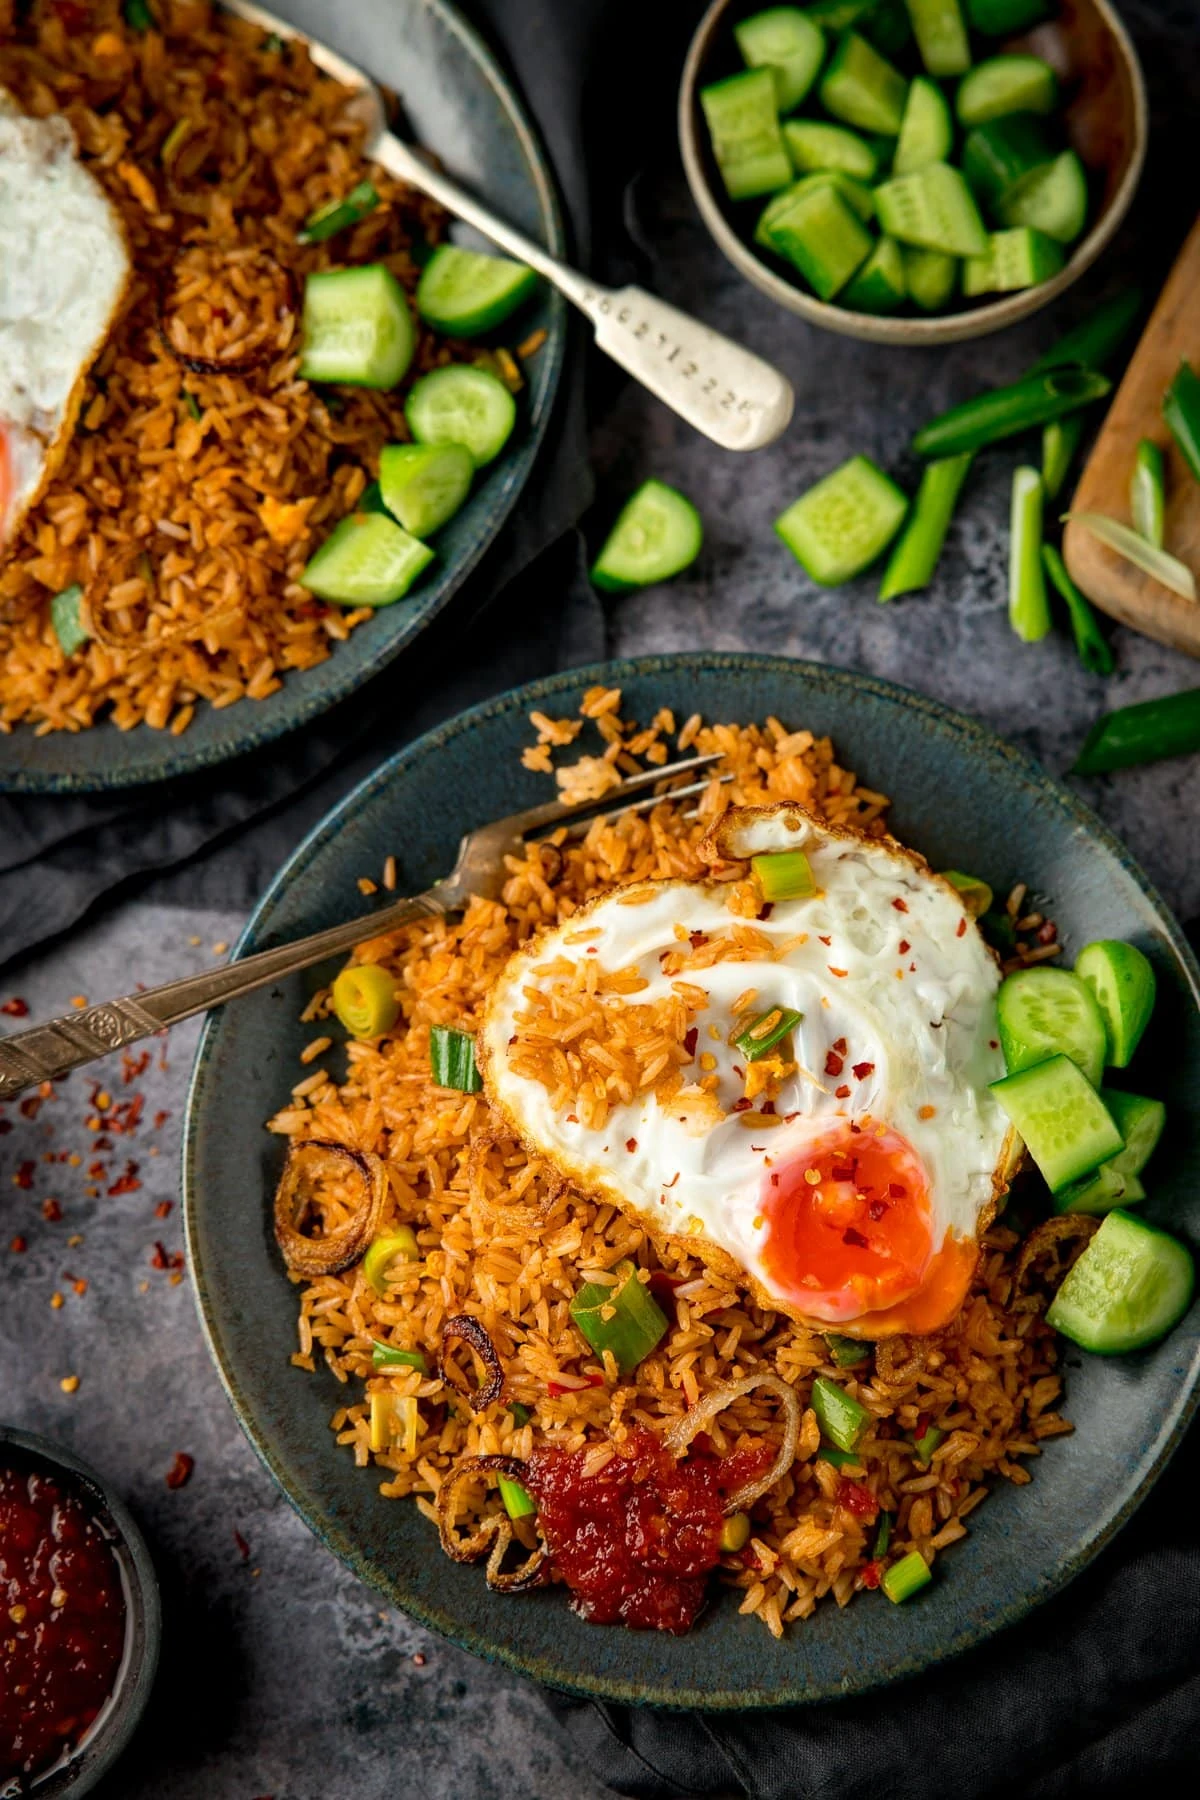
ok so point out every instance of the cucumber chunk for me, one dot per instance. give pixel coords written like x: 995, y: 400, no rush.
x: 1001, y: 18
x: 1100, y: 1192
x: 861, y: 87
x: 1066, y: 1127
x: 926, y: 131
x: 822, y: 237
x: 658, y: 533
x: 1130, y: 1286
x: 1053, y: 199
x: 812, y: 144
x: 743, y: 123
x: 1047, y: 1012
x: 357, y: 328
x: 69, y: 620
x: 941, y: 35
x: 464, y: 293
x: 933, y: 208
x: 1012, y: 260
x: 841, y: 525
x: 1122, y: 981
x: 786, y: 40
x: 879, y: 286
x: 931, y: 277
x: 423, y: 485
x: 857, y: 195
x: 884, y: 23
x: 998, y: 156
x: 1006, y: 84
x: 459, y: 405
x: 367, y: 560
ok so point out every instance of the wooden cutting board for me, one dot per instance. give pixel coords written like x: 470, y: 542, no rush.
x: 1114, y: 584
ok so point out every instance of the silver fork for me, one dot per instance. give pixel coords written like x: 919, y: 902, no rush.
x: 48, y: 1052
x: 723, y: 390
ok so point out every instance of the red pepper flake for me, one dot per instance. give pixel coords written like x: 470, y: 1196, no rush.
x: 896, y: 1190
x: 749, y: 1559
x: 961, y: 930
x: 419, y: 1658
x: 5, y: 1127
x: 1047, y: 933
x: 993, y: 1043
x: 768, y: 1106
x: 673, y: 1180
x: 872, y: 1574
x: 856, y: 1498
x: 766, y: 909
x: 180, y: 1470
x: 824, y: 940
x: 79, y: 1285
x: 742, y: 1105
x: 30, y: 1106
x: 862, y: 1070
x: 160, y: 1118
x: 133, y: 1066
x: 243, y: 1546
x: 904, y: 946
x: 127, y: 1183
x: 775, y: 1180
x: 15, y: 1008
x: 556, y: 1390
x: 24, y: 1175
x: 900, y: 905
x: 18, y: 1246
x: 876, y: 1210
x: 51, y: 1211
x: 631, y: 1145
x: 103, y: 1143
x: 839, y: 1045
x: 690, y: 1040
x: 97, y: 1171
x: 850, y: 1236
x: 833, y: 1063
x: 841, y: 1093
x: 697, y: 938
x: 838, y: 972
x: 662, y: 1285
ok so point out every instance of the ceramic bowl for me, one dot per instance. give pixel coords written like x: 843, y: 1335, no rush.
x: 107, y: 1738
x: 1106, y: 122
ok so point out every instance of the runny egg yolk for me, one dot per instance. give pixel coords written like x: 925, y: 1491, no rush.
x: 848, y: 1226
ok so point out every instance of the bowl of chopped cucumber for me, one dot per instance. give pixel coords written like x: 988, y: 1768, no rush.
x: 912, y: 171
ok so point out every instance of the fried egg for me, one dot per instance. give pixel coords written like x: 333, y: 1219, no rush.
x: 845, y: 1176
x: 63, y: 270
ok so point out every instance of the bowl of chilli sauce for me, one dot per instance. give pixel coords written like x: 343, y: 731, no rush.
x: 79, y: 1621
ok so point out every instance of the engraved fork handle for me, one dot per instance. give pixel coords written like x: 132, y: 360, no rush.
x: 48, y: 1052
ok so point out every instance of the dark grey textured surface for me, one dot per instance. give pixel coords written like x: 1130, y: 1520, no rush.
x: 288, y: 1682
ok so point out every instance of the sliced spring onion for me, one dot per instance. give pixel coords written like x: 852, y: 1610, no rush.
x: 1181, y: 410
x: 976, y: 895
x: 1060, y: 441
x: 838, y: 1459
x: 883, y: 1535
x: 393, y: 1247
x: 762, y: 1034
x: 927, y: 1443
x: 1094, y: 342
x: 842, y: 1418
x: 452, y: 1059
x: 519, y: 1503
x: 846, y: 1351
x: 1095, y: 652
x: 138, y: 15
x: 364, y: 999
x: 624, y: 1318
x: 913, y: 561
x: 906, y: 1578
x: 66, y: 616
x: 521, y: 1415
x: 395, y: 1422
x: 1147, y: 493
x: 784, y: 875
x: 337, y: 215
x: 387, y: 1356
x: 1028, y: 607
x: 735, y: 1533
x: 1007, y: 411
x: 1147, y: 732
x: 193, y: 405
x: 1156, y: 563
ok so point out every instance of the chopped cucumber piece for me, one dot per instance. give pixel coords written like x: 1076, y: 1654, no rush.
x: 1130, y: 1286
x: 423, y: 485
x: 933, y: 208
x: 1053, y: 199
x: 743, y: 123
x: 841, y: 525
x: 1122, y: 981
x: 1066, y: 1127
x: 1140, y: 1122
x: 1006, y: 84
x: 930, y: 276
x: 1100, y: 1192
x: 657, y: 534
x: 857, y: 195
x: 459, y: 405
x: 69, y: 621
x: 367, y: 560
x: 464, y: 293
x: 1013, y: 259
x: 358, y: 328
x: 1002, y: 18
x: 941, y: 35
x: 861, y: 87
x: 1049, y: 1012
x: 812, y: 145
x: 884, y: 23
x: 822, y: 237
x: 999, y: 156
x: 784, y: 39
x: 926, y: 131
x: 879, y: 286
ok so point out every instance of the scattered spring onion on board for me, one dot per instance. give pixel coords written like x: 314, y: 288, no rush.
x: 1060, y: 441
x: 624, y: 1318
x: 1093, y: 648
x: 68, y: 620
x: 764, y: 1033
x: 1028, y: 607
x: 842, y: 1418
x: 452, y: 1059
x: 1147, y: 493
x: 1096, y: 340
x: 915, y: 557
x: 399, y: 1246
x: 364, y: 999
x: 1159, y: 564
x: 339, y: 215
x: 1007, y: 411
x: 1181, y: 410
x: 1148, y: 732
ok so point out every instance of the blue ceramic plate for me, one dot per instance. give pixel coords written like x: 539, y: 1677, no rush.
x: 459, y: 105
x: 966, y: 800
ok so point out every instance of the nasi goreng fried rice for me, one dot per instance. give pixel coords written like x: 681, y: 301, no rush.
x: 501, y: 1239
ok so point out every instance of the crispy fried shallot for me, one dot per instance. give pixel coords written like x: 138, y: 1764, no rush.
x: 700, y: 1417
x: 494, y: 1530
x: 306, y: 1163
x: 471, y: 1332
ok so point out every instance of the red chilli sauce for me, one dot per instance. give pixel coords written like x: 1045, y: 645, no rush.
x: 62, y: 1620
x: 637, y: 1541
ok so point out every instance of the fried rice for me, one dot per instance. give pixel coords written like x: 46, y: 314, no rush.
x: 189, y: 502
x: 502, y: 1238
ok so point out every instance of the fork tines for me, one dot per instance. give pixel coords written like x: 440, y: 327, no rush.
x: 650, y: 781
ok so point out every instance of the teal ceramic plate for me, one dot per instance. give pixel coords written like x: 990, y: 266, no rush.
x: 966, y: 800
x: 460, y: 105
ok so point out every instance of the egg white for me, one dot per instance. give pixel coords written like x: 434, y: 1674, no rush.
x: 922, y: 1017
x: 63, y: 271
